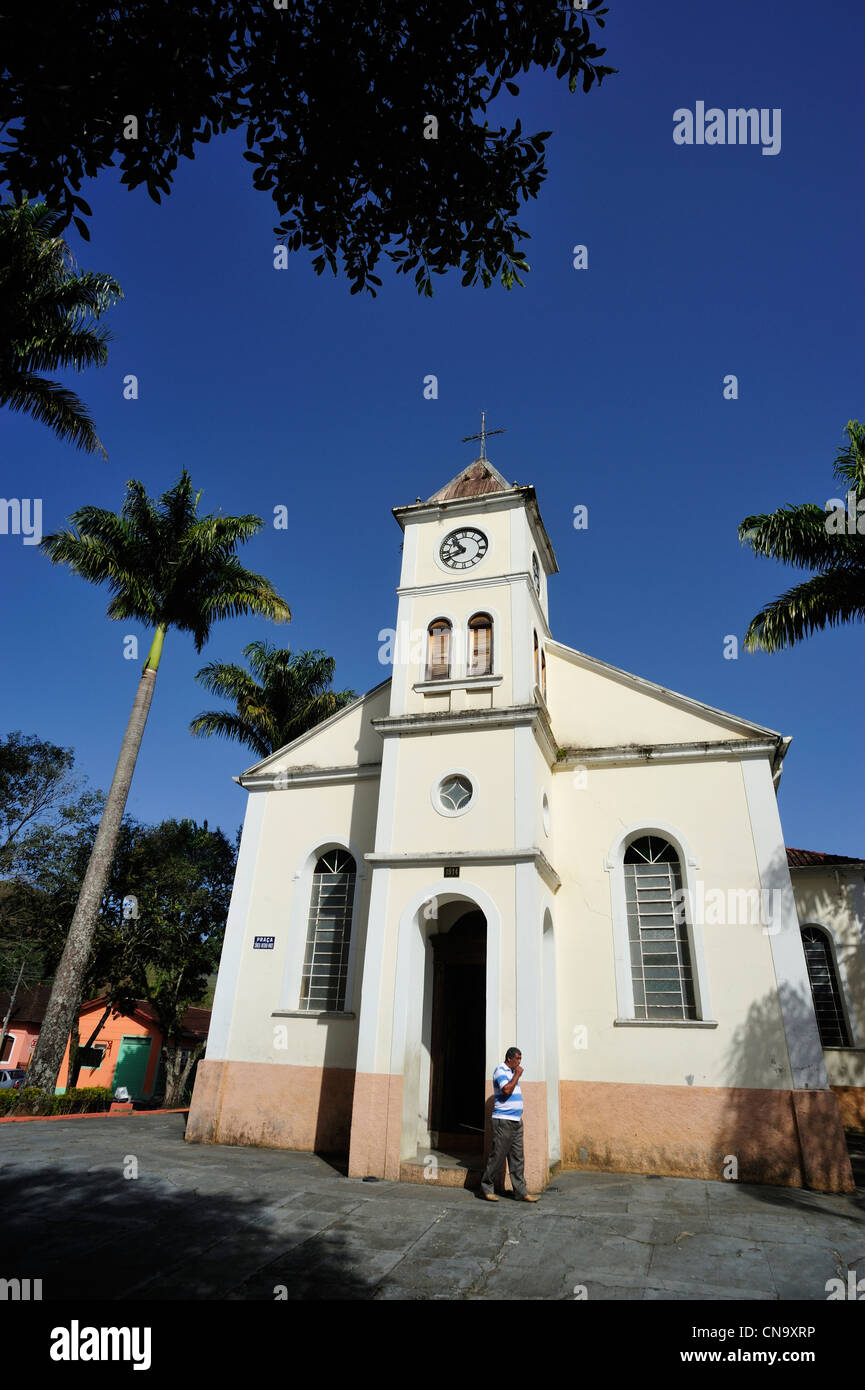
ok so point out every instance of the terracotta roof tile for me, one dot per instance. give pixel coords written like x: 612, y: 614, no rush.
x: 475, y: 481
x: 812, y: 858
x: 30, y: 1004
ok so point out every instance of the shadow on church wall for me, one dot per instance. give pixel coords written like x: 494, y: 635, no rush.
x: 336, y: 1099
x: 737, y: 1121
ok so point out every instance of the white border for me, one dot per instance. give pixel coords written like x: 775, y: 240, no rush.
x: 804, y: 1049
x: 227, y: 992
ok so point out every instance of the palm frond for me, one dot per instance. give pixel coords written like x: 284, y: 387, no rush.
x: 67, y: 347
x: 51, y: 404
x: 228, y: 682
x: 154, y: 560
x: 223, y: 724
x: 797, y: 535
x: 292, y: 698
x: 47, y: 321
x: 825, y: 600
x: 850, y: 458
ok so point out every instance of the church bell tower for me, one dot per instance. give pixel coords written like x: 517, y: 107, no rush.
x: 473, y: 616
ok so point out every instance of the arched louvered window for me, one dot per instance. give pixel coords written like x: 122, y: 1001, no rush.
x: 439, y: 650
x: 831, y: 1023
x: 325, y: 966
x: 536, y: 668
x: 480, y: 654
x: 543, y: 673
x: 657, y: 933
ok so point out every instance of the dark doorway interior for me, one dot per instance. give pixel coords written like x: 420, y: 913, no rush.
x: 459, y: 1035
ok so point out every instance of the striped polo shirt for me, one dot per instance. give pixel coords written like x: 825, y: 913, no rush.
x: 506, y: 1107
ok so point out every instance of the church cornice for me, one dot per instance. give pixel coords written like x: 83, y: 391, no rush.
x: 307, y: 776
x: 510, y: 717
x: 456, y: 506
x: 530, y: 855
x: 703, y: 750
x: 450, y: 586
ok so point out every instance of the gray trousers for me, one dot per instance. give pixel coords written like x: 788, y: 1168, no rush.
x: 507, y: 1144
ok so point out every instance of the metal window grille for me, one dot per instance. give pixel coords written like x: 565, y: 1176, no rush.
x: 831, y: 1023
x: 660, y: 954
x: 455, y: 793
x: 325, y: 966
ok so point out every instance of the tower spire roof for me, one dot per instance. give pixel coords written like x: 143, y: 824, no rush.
x: 479, y: 478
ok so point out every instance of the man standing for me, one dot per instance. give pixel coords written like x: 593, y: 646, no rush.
x: 507, y: 1129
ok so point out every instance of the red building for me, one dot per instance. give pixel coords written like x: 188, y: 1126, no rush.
x: 129, y: 1045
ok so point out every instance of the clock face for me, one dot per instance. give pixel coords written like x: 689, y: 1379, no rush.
x: 462, y: 549
x: 536, y: 573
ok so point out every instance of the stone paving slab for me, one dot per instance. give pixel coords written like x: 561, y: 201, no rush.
x: 213, y: 1222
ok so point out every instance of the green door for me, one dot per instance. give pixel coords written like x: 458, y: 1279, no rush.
x: 132, y: 1065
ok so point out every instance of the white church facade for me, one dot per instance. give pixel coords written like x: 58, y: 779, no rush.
x: 512, y: 843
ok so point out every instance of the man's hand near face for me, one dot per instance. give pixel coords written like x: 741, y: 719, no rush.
x: 515, y: 1079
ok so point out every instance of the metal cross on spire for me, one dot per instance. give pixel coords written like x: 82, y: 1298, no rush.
x: 483, y: 436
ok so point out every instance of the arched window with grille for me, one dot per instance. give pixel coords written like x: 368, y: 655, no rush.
x: 828, y: 1008
x: 480, y: 653
x: 439, y: 650
x: 661, y: 967
x: 325, y: 966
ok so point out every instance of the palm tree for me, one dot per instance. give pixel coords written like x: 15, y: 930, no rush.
x: 293, y: 696
x: 809, y: 537
x: 47, y: 313
x: 169, y: 568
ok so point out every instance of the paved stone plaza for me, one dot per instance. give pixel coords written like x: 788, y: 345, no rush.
x: 213, y: 1222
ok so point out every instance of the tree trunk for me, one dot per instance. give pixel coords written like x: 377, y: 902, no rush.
x: 11, y: 1007
x: 175, y: 1078
x: 60, y: 1014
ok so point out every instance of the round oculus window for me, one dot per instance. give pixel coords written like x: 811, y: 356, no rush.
x: 455, y: 793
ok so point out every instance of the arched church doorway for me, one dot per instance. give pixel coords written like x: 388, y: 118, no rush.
x: 458, y: 1035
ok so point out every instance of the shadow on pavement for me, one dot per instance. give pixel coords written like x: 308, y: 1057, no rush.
x: 97, y: 1235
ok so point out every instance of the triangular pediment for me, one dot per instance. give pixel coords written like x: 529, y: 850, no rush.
x: 596, y: 705
x: 346, y: 739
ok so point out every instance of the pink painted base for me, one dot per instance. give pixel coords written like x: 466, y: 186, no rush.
x: 272, y: 1106
x: 851, y: 1100
x: 788, y: 1138
x: 376, y: 1127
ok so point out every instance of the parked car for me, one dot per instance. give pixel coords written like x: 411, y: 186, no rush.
x: 13, y: 1079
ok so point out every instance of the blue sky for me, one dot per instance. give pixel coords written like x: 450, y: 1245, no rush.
x: 277, y: 387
